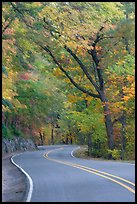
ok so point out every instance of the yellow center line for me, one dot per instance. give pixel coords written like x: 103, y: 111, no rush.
x: 105, y: 173
x: 94, y: 171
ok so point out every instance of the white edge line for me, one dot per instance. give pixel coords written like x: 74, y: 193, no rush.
x: 73, y: 151
x: 29, y: 178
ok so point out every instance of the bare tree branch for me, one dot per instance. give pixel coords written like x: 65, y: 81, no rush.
x: 95, y: 58
x: 67, y: 75
x: 21, y: 14
x: 83, y: 68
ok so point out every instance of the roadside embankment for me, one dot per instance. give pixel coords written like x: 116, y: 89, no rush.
x: 82, y: 152
x: 14, y: 182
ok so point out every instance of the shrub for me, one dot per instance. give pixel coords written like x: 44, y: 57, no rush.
x: 115, y: 153
x: 6, y: 133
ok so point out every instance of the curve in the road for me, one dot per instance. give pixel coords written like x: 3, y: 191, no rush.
x: 115, y: 179
x: 93, y: 171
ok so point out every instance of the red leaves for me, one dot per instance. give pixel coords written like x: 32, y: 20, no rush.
x: 24, y: 76
x: 27, y: 75
x: 30, y: 66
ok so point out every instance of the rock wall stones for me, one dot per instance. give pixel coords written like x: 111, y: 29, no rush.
x: 17, y: 144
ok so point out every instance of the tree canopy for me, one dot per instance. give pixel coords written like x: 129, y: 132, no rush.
x: 68, y: 74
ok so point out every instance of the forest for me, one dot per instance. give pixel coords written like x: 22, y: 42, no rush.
x: 68, y: 75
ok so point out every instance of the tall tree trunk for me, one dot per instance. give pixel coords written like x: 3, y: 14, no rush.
x: 98, y: 85
x: 108, y: 122
x: 52, y: 135
x: 109, y: 127
x: 90, y: 144
x: 66, y: 140
x: 123, y: 135
x: 41, y: 138
x: 71, y: 140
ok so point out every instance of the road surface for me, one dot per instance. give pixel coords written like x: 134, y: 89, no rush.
x: 55, y: 175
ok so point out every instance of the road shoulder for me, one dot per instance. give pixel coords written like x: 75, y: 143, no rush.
x: 14, y: 182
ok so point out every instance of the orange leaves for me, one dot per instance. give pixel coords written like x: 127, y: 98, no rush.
x: 106, y: 103
x: 62, y: 56
x: 126, y: 98
x: 124, y: 52
x: 116, y: 107
x: 129, y: 91
x: 98, y: 48
x: 130, y: 78
x: 117, y: 133
x: 37, y: 3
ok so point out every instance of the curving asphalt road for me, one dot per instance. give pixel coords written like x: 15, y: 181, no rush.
x: 54, y: 175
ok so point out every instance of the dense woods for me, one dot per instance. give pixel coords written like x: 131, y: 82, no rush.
x: 68, y: 74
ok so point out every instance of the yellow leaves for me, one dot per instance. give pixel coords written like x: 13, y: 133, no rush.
x: 115, y: 51
x: 125, y: 89
x: 57, y: 72
x: 76, y: 68
x: 66, y: 80
x: 83, y: 128
x: 8, y: 91
x: 78, y: 78
x: 17, y: 104
x: 89, y: 98
x: 118, y: 104
x: 129, y: 92
x: 101, y: 120
x: 120, y: 62
x: 5, y: 109
x: 7, y: 82
x: 67, y: 104
x: 71, y: 44
x: 74, y: 99
x: 48, y: 11
x: 37, y: 4
x: 84, y: 95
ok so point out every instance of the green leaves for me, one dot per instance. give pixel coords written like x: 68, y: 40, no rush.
x: 4, y: 70
x: 7, y: 103
x: 40, y: 91
x: 124, y: 66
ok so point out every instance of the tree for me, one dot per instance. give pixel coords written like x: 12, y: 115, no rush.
x: 99, y: 85
x: 94, y: 50
x: 85, y: 41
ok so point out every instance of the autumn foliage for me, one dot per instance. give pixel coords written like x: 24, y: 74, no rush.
x: 68, y: 74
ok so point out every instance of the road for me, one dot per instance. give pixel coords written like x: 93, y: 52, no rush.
x: 54, y: 175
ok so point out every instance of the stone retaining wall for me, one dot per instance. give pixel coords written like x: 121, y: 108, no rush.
x: 17, y: 144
